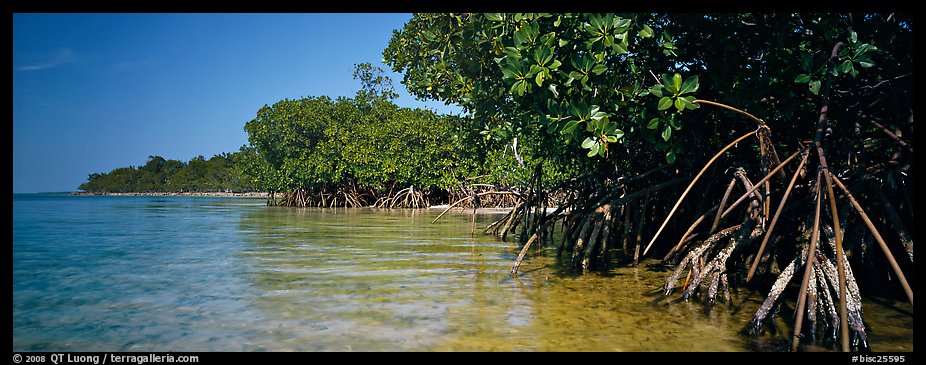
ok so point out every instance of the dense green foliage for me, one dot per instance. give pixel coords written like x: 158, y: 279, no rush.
x: 588, y: 80
x: 217, y: 174
x: 366, y: 142
x: 316, y: 141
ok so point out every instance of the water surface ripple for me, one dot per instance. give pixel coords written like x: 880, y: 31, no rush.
x: 230, y: 274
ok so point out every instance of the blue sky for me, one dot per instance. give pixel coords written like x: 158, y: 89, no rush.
x: 93, y: 92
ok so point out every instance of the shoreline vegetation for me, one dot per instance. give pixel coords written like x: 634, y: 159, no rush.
x: 252, y: 194
x: 259, y: 194
x: 568, y: 124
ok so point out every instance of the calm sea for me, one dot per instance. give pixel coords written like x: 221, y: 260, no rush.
x: 97, y: 273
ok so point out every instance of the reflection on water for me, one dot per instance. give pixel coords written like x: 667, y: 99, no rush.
x: 206, y: 274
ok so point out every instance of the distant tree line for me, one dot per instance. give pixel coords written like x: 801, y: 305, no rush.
x: 161, y: 175
x: 366, y: 150
x: 353, y: 151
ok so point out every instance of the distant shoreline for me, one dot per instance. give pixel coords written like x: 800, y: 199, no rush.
x: 211, y: 194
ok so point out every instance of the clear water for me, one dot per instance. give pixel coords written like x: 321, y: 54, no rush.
x: 230, y: 274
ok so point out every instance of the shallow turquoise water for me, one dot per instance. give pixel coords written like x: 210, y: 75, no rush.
x: 230, y: 274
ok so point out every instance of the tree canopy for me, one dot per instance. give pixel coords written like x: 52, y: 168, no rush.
x: 367, y: 142
x: 159, y: 175
x: 593, y: 80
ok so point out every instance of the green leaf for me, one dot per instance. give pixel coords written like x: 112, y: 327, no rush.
x: 539, y: 79
x: 653, y: 123
x: 646, y: 32
x: 570, y: 126
x: 675, y: 124
x: 844, y: 67
x: 518, y: 37
x: 806, y: 62
x: 802, y: 78
x: 542, y: 55
x: 554, y: 65
x: 690, y: 104
x: 522, y: 88
x: 665, y: 103
x: 670, y: 157
x: 588, y: 142
x: 677, y: 83
x: 690, y: 85
x: 815, y: 87
x: 680, y: 104
x: 513, y: 52
x: 595, y: 22
x: 853, y: 37
x: 864, y: 47
x: 666, y: 133
x: 621, y: 25
x: 552, y: 127
x: 599, y: 69
x: 609, y: 128
x: 657, y: 90
x: 666, y: 80
x: 864, y: 61
x: 594, y: 149
x: 618, y: 134
x: 495, y: 17
x: 620, y: 48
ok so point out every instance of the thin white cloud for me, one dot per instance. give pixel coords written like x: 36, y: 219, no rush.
x: 64, y: 56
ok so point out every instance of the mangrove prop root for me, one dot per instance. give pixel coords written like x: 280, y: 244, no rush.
x: 750, y: 191
x: 690, y: 185
x: 771, y: 227
x: 723, y: 203
x: 714, y: 103
x: 878, y: 238
x: 626, y: 224
x: 511, y: 222
x: 777, y: 288
x: 746, y: 234
x: 591, y: 222
x: 852, y: 298
x: 811, y: 301
x: 694, y: 254
x: 821, y: 156
x: 636, y: 251
x: 605, y: 233
x: 740, y: 174
x: 685, y: 237
x: 826, y: 305
x: 808, y: 269
x: 894, y: 218
x: 604, y: 220
x: 840, y: 262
